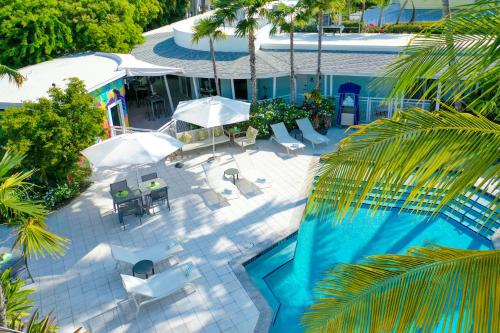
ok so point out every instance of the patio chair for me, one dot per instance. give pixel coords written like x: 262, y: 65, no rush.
x: 129, y: 208
x: 309, y: 133
x: 149, y: 176
x: 160, y: 286
x: 117, y: 187
x: 156, y: 253
x: 248, y: 139
x: 157, y: 198
x: 248, y: 170
x: 282, y: 137
x: 223, y: 188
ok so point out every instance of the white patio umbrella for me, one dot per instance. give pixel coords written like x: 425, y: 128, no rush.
x: 132, y: 149
x: 210, y: 112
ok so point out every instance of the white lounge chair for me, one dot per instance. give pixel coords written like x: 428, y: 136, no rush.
x: 161, y: 285
x: 156, y: 253
x: 309, y: 133
x: 282, y: 137
x: 248, y: 170
x: 224, y: 188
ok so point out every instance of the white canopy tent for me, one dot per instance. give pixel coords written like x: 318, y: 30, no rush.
x: 210, y: 112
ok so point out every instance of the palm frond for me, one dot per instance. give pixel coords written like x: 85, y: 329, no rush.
x: 35, y: 240
x: 13, y: 75
x: 208, y: 27
x: 425, y: 159
x: 417, y: 292
x: 462, y: 61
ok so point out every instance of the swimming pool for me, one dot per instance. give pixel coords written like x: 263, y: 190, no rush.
x: 287, y: 273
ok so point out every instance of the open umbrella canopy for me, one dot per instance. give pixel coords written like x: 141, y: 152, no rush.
x: 212, y: 111
x: 132, y: 149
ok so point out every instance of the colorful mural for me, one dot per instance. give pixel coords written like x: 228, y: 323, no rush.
x: 107, y: 95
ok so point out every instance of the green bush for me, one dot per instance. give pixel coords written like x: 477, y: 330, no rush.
x: 416, y: 27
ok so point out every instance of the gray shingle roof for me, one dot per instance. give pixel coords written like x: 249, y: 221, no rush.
x: 160, y: 49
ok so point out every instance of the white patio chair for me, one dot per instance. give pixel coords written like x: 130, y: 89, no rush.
x: 223, y: 188
x: 248, y: 139
x: 248, y: 170
x: 282, y: 137
x: 161, y: 285
x: 309, y: 133
x: 156, y: 253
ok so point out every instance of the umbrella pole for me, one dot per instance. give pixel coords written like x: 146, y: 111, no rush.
x: 212, y: 158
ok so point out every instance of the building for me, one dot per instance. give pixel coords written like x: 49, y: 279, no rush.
x: 141, y: 90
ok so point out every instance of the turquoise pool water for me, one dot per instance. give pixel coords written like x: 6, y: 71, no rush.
x: 287, y: 274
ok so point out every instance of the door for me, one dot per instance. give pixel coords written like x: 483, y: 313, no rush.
x: 115, y: 115
x: 241, y: 89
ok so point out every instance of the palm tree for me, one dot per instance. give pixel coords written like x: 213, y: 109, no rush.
x: 318, y: 8
x: 381, y: 4
x: 247, y: 26
x: 445, y: 4
x: 411, y: 293
x: 13, y: 75
x: 438, y: 62
x: 210, y: 28
x: 284, y: 18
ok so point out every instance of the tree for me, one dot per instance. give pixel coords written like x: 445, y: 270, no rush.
x: 13, y: 75
x: 284, y: 18
x: 246, y: 26
x: 32, y: 31
x: 146, y: 11
x: 52, y: 131
x: 381, y: 4
x: 460, y: 63
x: 318, y: 8
x: 411, y: 293
x: 425, y: 159
x: 210, y: 28
x: 445, y: 4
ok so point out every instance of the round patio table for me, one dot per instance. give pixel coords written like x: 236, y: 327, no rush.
x: 144, y: 267
x: 232, y: 172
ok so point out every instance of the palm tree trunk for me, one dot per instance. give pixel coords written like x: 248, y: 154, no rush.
x: 253, y: 75
x: 380, y: 16
x: 292, y: 69
x: 3, y: 309
x: 446, y: 8
x: 203, y: 6
x: 413, y: 12
x: 401, y: 11
x: 363, y: 8
x: 320, y: 40
x: 214, y: 66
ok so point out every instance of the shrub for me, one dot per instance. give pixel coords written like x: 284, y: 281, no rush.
x: 415, y: 27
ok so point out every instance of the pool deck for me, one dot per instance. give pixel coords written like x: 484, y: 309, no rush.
x: 84, y: 287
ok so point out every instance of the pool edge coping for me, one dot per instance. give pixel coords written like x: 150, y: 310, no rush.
x: 266, y: 313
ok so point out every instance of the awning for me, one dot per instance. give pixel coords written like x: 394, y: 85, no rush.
x: 135, y: 67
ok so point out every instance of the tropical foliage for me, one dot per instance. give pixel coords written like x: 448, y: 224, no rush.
x: 12, y: 74
x: 210, y: 27
x: 17, y: 210
x: 52, y: 131
x: 32, y: 31
x: 461, y: 62
x: 416, y: 292
x: 430, y: 156
x: 17, y: 305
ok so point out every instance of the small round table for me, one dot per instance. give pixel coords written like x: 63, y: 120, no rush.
x: 143, y: 267
x: 232, y: 172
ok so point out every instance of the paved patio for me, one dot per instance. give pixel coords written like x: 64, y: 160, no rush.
x: 84, y: 287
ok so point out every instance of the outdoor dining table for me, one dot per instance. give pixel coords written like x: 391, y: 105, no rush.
x: 153, y: 184
x: 125, y: 196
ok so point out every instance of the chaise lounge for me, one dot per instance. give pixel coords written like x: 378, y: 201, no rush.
x: 309, y: 133
x: 156, y: 253
x: 282, y: 137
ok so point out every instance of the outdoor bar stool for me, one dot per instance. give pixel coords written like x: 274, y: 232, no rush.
x: 133, y: 207
x: 149, y: 176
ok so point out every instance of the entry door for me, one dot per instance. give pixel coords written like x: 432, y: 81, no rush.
x: 115, y: 114
x: 241, y: 89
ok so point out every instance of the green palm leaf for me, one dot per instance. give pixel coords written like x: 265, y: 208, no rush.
x: 431, y: 156
x: 411, y: 293
x: 35, y: 240
x: 13, y: 75
x: 463, y: 60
